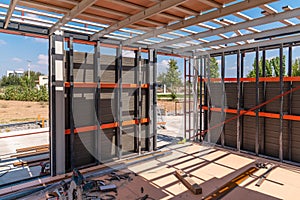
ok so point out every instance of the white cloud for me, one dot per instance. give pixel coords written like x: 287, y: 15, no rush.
x: 2, y: 42
x: 42, y: 59
x: 128, y: 54
x: 18, y: 60
x: 40, y: 40
x: 32, y: 15
x: 162, y: 66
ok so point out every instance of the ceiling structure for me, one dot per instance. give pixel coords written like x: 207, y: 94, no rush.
x: 187, y: 27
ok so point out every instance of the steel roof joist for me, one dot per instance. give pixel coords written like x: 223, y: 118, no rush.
x: 201, y: 18
x: 266, y: 34
x: 77, y: 10
x: 148, y: 12
x: 11, y: 8
x: 238, y: 26
x: 263, y: 44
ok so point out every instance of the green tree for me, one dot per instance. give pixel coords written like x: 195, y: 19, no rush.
x: 10, y: 80
x: 272, y: 65
x: 214, y: 68
x: 173, y: 76
x: 296, y: 67
x: 275, y: 63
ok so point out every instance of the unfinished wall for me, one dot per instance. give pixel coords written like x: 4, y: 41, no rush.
x: 268, y: 122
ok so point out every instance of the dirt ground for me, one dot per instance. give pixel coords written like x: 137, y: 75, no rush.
x: 22, y: 111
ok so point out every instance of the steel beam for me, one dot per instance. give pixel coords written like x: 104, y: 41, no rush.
x: 290, y: 100
x: 146, y: 13
x: 118, y: 99
x: 97, y: 71
x: 77, y: 10
x: 184, y: 103
x: 257, y: 132
x: 201, y: 97
x: 238, y: 123
x: 199, y: 18
x: 211, y: 3
x: 207, y: 67
x: 238, y: 26
x: 254, y: 45
x: 262, y: 147
x: 70, y: 116
x: 57, y: 105
x: 265, y: 34
x: 154, y: 77
x: 281, y: 74
x: 223, y: 99
x: 11, y: 8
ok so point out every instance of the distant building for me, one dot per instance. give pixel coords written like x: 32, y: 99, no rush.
x: 43, y: 80
x: 14, y: 72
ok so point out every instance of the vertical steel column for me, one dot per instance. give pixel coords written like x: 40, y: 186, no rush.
x: 223, y: 98
x: 205, y: 120
x: 137, y: 144
x: 184, y: 104
x: 195, y: 96
x: 238, y: 106
x: 70, y: 79
x: 263, y: 135
x: 150, y: 141
x: 154, y: 75
x: 242, y: 100
x: 140, y: 103
x: 200, y: 79
x: 119, y: 101
x: 190, y: 118
x: 257, y: 101
x: 281, y: 102
x: 57, y: 104
x: 207, y: 61
x: 290, y: 64
x: 97, y: 70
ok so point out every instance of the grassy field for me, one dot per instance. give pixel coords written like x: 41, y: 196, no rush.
x: 22, y: 111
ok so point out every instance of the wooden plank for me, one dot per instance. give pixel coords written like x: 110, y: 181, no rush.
x: 228, y: 187
x: 188, y: 182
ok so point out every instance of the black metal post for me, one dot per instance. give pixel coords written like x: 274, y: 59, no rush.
x: 119, y: 101
x: 97, y: 69
x: 70, y: 102
x: 223, y: 98
x: 281, y: 103
x: 290, y: 64
x: 184, y: 107
x: 263, y: 135
x: 200, y: 79
x: 154, y: 100
x: 238, y: 125
x: 257, y: 101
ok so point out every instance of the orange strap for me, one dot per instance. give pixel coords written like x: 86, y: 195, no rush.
x: 106, y: 126
x: 261, y: 79
x: 249, y: 111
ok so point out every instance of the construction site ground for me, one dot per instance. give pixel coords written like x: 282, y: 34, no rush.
x: 209, y: 166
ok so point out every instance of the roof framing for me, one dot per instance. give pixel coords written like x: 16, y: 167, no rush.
x: 200, y: 18
x: 157, y: 8
x: 155, y: 24
x: 238, y: 26
x: 78, y: 9
x: 11, y: 8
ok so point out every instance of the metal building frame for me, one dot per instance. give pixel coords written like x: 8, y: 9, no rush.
x: 158, y: 28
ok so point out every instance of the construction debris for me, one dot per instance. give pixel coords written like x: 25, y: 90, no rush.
x: 229, y: 186
x: 264, y: 176
x: 188, y: 182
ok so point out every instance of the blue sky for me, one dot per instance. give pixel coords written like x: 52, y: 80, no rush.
x: 16, y: 51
